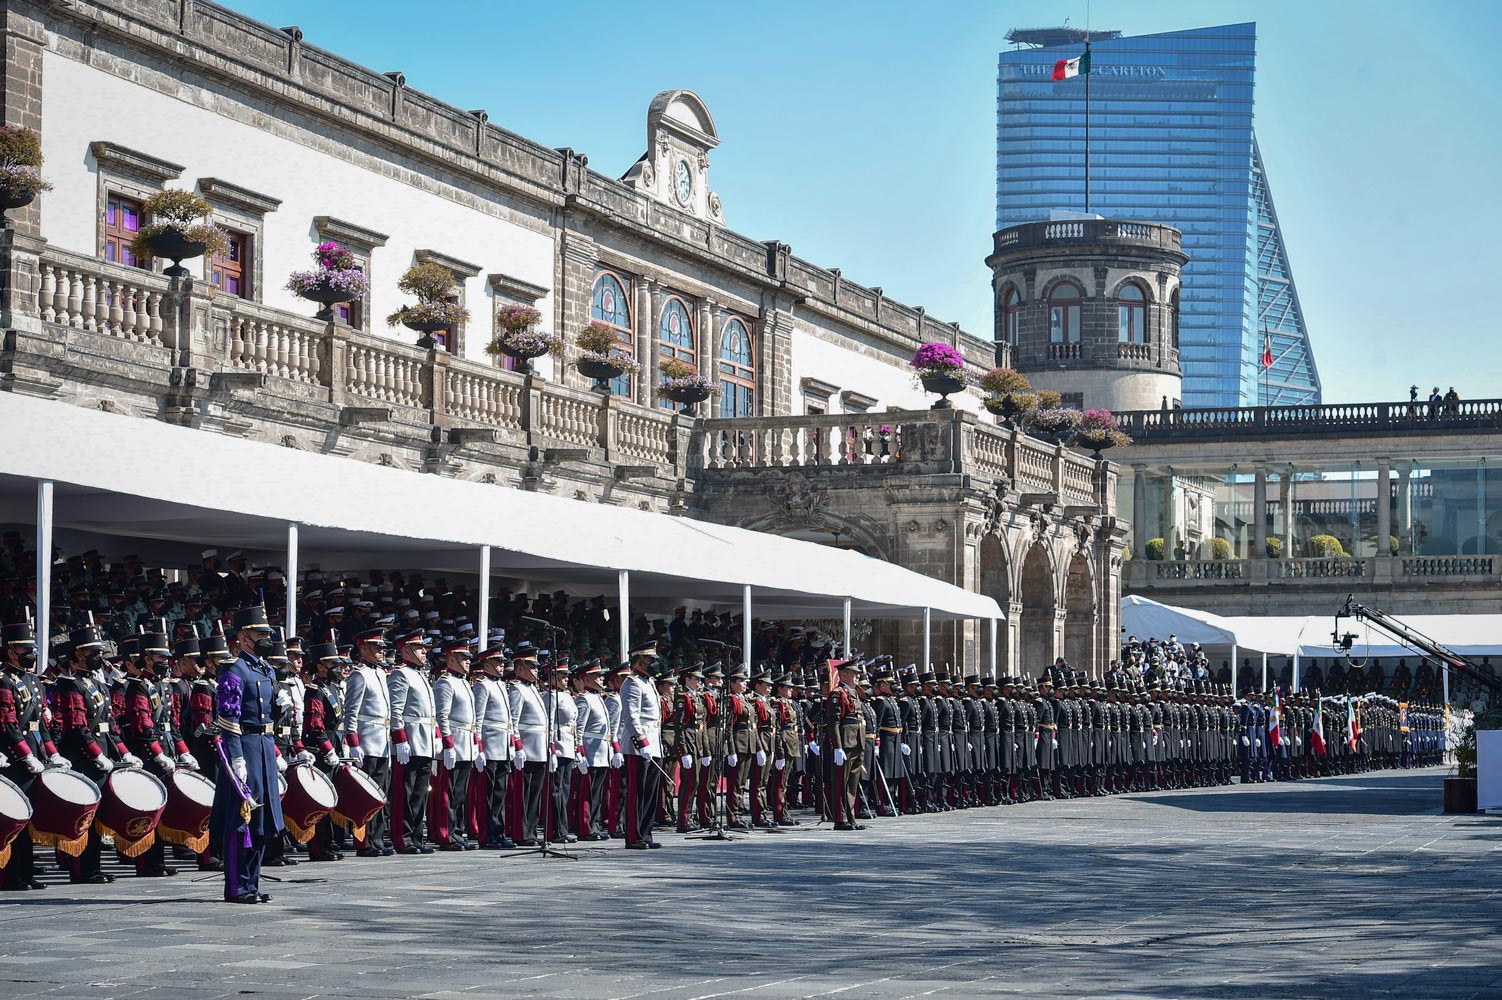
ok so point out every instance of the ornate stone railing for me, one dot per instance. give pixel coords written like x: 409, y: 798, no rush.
x: 387, y: 372
x: 1323, y: 568
x: 273, y: 343
x: 1218, y: 423
x: 484, y: 395
x: 88, y: 294
x: 1196, y: 569
x: 1087, y: 231
x: 570, y: 416
x: 1449, y: 566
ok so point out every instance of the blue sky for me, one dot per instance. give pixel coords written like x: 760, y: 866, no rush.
x: 864, y: 135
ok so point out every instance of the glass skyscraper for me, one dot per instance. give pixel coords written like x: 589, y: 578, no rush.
x: 1171, y: 141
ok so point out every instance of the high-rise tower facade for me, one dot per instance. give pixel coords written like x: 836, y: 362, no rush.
x: 1171, y: 141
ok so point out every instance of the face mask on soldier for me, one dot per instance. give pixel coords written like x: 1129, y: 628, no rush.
x: 264, y: 645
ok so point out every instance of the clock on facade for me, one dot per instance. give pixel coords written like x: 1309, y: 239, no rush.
x: 683, y: 182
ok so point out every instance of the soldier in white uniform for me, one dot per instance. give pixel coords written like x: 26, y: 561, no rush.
x: 413, y: 737
x: 498, y: 744
x: 597, y: 736
x: 454, y: 710
x: 367, y: 731
x: 615, y: 785
x: 563, y: 715
x: 641, y: 742
x: 531, y: 721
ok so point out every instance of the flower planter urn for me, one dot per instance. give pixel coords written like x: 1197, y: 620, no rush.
x: 327, y: 295
x: 173, y: 245
x: 603, y: 372
x: 427, y: 329
x: 10, y: 201
x: 523, y: 358
x: 942, y: 386
x: 1096, y: 447
x: 687, y: 396
x: 1002, y: 406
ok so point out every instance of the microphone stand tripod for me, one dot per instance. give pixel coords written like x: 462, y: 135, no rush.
x: 544, y: 849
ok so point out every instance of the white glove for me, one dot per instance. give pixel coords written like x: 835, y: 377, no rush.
x: 1246, y: 742
x: 839, y: 757
x: 480, y: 760
x: 241, y: 772
x: 761, y: 758
x: 687, y: 760
x: 450, y: 758
x: 403, y: 753
x: 616, y: 760
x: 1259, y: 744
x: 281, y: 765
x: 187, y: 760
x: 331, y: 757
x: 519, y: 759
x: 732, y: 759
x: 58, y: 760
x: 779, y: 763
x: 552, y: 764
x: 104, y: 763
x: 4, y: 762
x: 303, y: 757
x: 906, y: 750
x: 1056, y: 744
x: 971, y: 747
x: 706, y: 761
x: 34, y: 763
x: 813, y: 747
x: 131, y: 760
x: 581, y: 765
x: 164, y: 762
x: 357, y: 754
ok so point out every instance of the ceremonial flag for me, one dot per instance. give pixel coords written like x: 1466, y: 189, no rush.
x: 1267, y: 340
x: 1275, y: 725
x: 1317, y: 734
x: 1353, y: 724
x: 1066, y: 69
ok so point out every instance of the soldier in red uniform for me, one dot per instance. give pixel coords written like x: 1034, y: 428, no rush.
x: 845, y: 725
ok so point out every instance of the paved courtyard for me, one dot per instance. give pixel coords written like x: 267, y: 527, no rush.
x: 1347, y: 887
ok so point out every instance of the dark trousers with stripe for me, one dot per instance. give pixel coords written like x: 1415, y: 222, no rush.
x: 643, y: 788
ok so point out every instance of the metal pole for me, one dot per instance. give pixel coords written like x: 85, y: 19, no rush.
x: 1295, y: 671
x: 292, y: 542
x: 1234, y: 650
x: 483, y: 626
x: 993, y: 646
x: 1444, y: 676
x: 44, y: 569
x: 845, y: 636
x: 623, y: 582
x: 1087, y: 122
x: 1264, y: 672
x: 746, y: 627
x: 927, y: 638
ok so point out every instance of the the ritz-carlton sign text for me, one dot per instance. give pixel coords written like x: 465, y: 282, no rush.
x: 1046, y: 70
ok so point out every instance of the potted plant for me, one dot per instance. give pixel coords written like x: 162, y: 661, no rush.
x: 1008, y: 393
x: 179, y: 230
x: 1099, y: 430
x: 20, y: 169
x: 516, y: 337
x: 435, y: 310
x: 682, y: 383
x: 598, y: 357
x: 337, y: 278
x: 1053, y: 423
x: 940, y: 369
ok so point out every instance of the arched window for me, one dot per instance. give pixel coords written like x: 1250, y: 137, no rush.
x: 612, y: 305
x: 1173, y: 320
x: 675, y: 336
x: 1131, y: 315
x: 737, y: 371
x: 1011, y: 316
x: 1064, y: 304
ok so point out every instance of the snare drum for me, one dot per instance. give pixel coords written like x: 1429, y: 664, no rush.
x: 309, y: 798
x: 63, y: 806
x: 359, y: 796
x: 15, y: 813
x: 130, y: 807
x: 190, y: 800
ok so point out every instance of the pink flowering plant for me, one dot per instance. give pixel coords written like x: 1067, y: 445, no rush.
x: 938, y: 359
x: 1098, y: 428
x: 516, y: 334
x: 597, y: 342
x: 337, y: 271
x: 1055, y: 420
x: 679, y: 375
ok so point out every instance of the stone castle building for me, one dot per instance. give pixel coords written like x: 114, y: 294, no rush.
x: 821, y: 432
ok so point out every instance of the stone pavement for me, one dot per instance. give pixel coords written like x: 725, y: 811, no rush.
x: 1343, y: 887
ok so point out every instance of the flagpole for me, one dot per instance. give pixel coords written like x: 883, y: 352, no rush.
x: 1087, y: 119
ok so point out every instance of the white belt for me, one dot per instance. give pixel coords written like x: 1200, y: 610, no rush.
x: 531, y: 729
x: 597, y: 733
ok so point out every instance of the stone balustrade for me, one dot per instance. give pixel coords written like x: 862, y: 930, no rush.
x: 1332, y: 419
x: 87, y: 294
x: 1142, y: 575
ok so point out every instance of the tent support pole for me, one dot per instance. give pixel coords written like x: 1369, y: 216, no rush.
x: 927, y: 638
x: 746, y: 627
x: 992, y: 644
x: 1235, y: 658
x: 845, y: 635
x: 1264, y: 672
x: 44, y: 569
x: 1444, y: 676
x: 1295, y: 671
x: 290, y: 623
x: 483, y: 610
x: 623, y: 582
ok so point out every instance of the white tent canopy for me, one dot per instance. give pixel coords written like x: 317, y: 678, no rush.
x: 118, y: 475
x: 1307, y: 635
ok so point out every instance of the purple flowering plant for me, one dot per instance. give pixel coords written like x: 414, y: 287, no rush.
x: 337, y: 270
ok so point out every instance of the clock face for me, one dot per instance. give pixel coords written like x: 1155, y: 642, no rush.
x: 683, y: 182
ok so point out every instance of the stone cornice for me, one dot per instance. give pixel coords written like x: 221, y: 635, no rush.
x: 135, y: 163
x: 516, y: 288
x: 817, y: 387
x: 220, y: 192
x: 459, y: 268
x: 348, y: 234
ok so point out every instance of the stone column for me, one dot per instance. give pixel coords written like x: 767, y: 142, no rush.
x: 1259, y: 513
x: 649, y: 301
x: 1139, y: 512
x: 1384, y: 506
x: 1405, y: 509
x: 1285, y: 500
x: 705, y: 342
x: 1170, y: 516
x: 21, y: 90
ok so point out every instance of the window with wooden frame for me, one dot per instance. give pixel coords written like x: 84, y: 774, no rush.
x: 1011, y: 315
x: 611, y: 305
x: 231, y: 272
x: 1064, y: 308
x: 737, y: 365
x: 122, y: 220
x: 1131, y: 314
x: 675, y: 336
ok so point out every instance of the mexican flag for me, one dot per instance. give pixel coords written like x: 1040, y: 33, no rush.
x: 1353, y: 724
x: 1064, y: 69
x: 1317, y: 734
x: 1275, y: 723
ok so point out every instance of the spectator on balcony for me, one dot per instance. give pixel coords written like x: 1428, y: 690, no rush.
x: 1435, y: 399
x: 1452, y: 403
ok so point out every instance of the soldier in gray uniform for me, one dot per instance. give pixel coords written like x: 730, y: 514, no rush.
x: 367, y: 732
x: 911, y: 708
x: 933, y: 741
x: 889, y: 743
x: 1047, y: 737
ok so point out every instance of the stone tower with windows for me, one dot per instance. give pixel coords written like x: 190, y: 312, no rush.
x: 1089, y: 308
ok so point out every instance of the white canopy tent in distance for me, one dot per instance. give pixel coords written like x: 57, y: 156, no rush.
x: 82, y: 475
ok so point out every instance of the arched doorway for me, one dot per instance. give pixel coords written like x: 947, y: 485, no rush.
x: 1038, y: 604
x: 1079, y: 620
x: 996, y: 582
